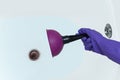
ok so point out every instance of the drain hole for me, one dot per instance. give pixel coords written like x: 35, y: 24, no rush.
x: 34, y: 55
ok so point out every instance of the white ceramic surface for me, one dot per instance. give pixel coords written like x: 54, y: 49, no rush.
x: 23, y: 27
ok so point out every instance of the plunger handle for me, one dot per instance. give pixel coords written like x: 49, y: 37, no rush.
x: 70, y: 38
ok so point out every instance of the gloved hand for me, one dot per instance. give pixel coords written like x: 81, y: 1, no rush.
x: 99, y: 44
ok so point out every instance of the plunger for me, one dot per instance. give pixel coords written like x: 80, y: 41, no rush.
x: 56, y: 41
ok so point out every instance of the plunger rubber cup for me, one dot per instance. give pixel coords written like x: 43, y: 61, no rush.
x: 55, y: 42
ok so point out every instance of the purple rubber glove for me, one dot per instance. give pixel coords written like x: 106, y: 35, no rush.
x: 99, y: 44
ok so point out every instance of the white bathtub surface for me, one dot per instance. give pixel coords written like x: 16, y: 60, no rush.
x: 23, y: 27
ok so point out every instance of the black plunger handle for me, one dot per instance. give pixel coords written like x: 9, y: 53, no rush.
x: 70, y: 38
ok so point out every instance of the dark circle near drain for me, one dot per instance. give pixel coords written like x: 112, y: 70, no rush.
x: 34, y: 54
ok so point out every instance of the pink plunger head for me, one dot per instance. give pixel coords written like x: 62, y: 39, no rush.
x: 55, y: 42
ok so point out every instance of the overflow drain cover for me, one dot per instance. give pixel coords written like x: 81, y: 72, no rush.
x: 108, y: 30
